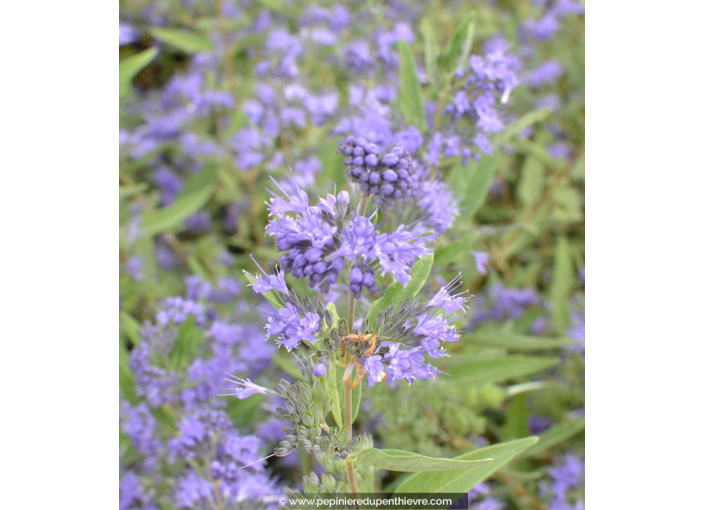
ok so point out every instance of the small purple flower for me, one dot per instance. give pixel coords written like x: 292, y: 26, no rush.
x: 266, y: 283
x: 375, y: 369
x: 245, y: 388
x: 135, y: 268
x: 481, y: 261
x: 320, y: 369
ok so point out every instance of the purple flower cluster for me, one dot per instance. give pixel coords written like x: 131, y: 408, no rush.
x: 292, y: 326
x: 320, y: 239
x: 503, y: 304
x: 205, y: 434
x: 209, y: 439
x: 395, y: 252
x: 489, y: 82
x: 567, y: 485
x: 435, y: 208
x: 423, y: 330
x: 202, y: 379
x: 389, y: 177
x: 547, y: 26
x: 311, y: 237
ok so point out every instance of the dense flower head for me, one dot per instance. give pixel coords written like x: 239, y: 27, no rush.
x: 433, y: 208
x: 395, y: 252
x: 415, y: 331
x: 390, y: 177
x: 292, y: 326
x: 310, y: 236
x: 320, y: 240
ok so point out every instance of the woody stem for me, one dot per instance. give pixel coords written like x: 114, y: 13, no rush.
x: 348, y: 405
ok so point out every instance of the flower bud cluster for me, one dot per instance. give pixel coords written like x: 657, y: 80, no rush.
x: 306, y: 408
x: 389, y: 177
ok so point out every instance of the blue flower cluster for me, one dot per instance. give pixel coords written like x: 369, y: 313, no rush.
x: 417, y: 330
x: 390, y: 177
x: 189, y: 393
x: 320, y: 240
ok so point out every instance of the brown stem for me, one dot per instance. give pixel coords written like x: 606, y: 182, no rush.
x: 353, y: 483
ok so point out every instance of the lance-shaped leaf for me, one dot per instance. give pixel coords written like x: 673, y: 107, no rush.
x: 519, y: 125
x: 500, y: 368
x: 457, y: 50
x: 195, y: 195
x: 184, y: 40
x: 561, y: 287
x: 554, y: 436
x: 190, y: 337
x: 396, y: 293
x: 462, y: 480
x: 132, y: 65
x: 431, y: 51
x: 399, y: 460
x: 411, y: 96
x: 515, y: 342
x: 473, y: 183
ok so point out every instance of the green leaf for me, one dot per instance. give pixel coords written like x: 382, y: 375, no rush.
x: 269, y: 295
x: 131, y: 66
x: 190, y: 337
x: 457, y: 50
x: 399, y: 460
x: 516, y: 425
x: 532, y: 181
x: 274, y: 5
x: 519, y: 125
x: 335, y: 389
x: 561, y: 287
x: 396, y: 293
x: 449, y: 252
x: 128, y: 191
x: 533, y: 149
x: 462, y: 480
x: 431, y: 51
x: 553, y: 436
x: 196, y: 267
x: 244, y: 412
x: 184, y: 40
x: 195, y: 195
x: 515, y: 342
x: 130, y: 326
x: 473, y: 183
x: 127, y: 383
x: 333, y: 310
x: 214, y: 24
x: 410, y: 96
x: 284, y: 362
x: 500, y: 368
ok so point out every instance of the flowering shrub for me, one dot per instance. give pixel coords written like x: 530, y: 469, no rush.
x: 412, y: 176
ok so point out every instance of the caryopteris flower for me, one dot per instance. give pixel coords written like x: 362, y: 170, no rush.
x: 245, y: 388
x: 321, y: 240
x: 414, y: 331
x: 390, y: 177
